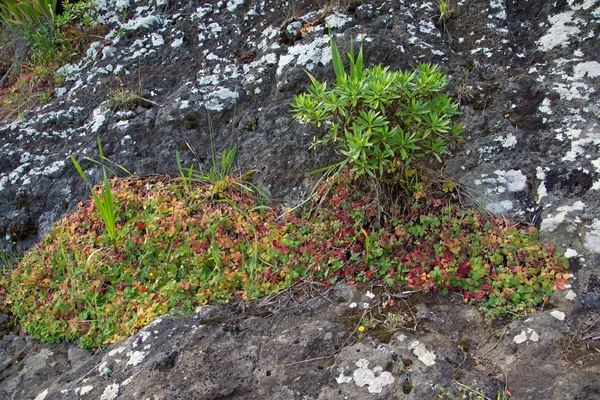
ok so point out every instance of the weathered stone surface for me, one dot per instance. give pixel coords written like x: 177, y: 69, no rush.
x: 526, y: 74
x: 303, y: 347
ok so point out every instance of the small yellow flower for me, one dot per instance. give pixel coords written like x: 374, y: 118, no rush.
x: 361, y: 328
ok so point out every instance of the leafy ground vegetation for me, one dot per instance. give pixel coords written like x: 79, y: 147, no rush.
x: 37, y: 37
x: 143, y: 247
x: 181, y: 246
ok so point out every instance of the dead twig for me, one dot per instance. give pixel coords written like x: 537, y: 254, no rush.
x: 18, y: 108
x: 7, y: 73
x: 498, y: 342
x: 472, y: 390
x: 414, y: 328
x: 309, y: 360
x: 298, y: 206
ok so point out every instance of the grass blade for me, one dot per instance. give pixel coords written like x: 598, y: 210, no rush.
x: 336, y: 59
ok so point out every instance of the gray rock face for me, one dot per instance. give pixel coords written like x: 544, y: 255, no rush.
x: 526, y: 74
x: 297, y: 347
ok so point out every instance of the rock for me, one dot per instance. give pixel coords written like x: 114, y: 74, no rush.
x: 364, y: 11
x: 526, y: 76
x: 310, y: 351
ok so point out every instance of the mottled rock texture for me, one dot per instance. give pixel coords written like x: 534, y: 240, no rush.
x: 527, y: 76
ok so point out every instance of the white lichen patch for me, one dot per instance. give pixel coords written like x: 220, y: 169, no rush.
x: 116, y: 351
x: 562, y: 29
x: 427, y: 27
x: 217, y: 99
x: 233, y: 4
x: 401, y: 338
x: 85, y: 390
x: 533, y: 335
x: 177, y: 42
x: 581, y: 4
x: 596, y: 164
x: 559, y: 315
x: 99, y: 116
x: 498, y: 7
x: 572, y: 90
x: 343, y: 378
x: 53, y: 168
x: 110, y: 392
x: 136, y: 357
x: 122, y: 4
x: 590, y: 69
x: 157, y: 40
x: 201, y: 12
x: 545, y: 106
x: 425, y: 356
x: 570, y: 253
x: 551, y: 222
x: 592, y: 237
x: 541, y: 190
x: 570, y: 295
x: 140, y: 22
x: 144, y: 335
x: 530, y: 334
x: 337, y: 20
x: 499, y: 207
x: 69, y: 71
x: 514, y: 180
x: 42, y: 395
x: 507, y: 142
x: 374, y: 379
x: 307, y: 55
x: 103, y: 369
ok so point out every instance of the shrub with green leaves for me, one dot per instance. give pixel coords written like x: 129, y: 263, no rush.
x: 380, y: 120
x: 49, y: 38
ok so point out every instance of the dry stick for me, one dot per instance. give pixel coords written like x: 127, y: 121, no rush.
x: 335, y: 352
x: 309, y: 360
x: 471, y: 390
x: 593, y: 336
x: 149, y: 101
x: 298, y: 206
x: 464, y: 358
x: 414, y: 328
x: 499, y: 340
x: 20, y: 105
x: 270, y: 298
x: 506, y: 391
x: 125, y: 342
x: 288, y: 291
x: 298, y: 305
x: 323, y: 296
x: 6, y: 74
x: 267, y: 300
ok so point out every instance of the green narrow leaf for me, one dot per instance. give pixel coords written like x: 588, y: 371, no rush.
x: 100, y: 148
x: 178, y: 161
x: 359, y: 61
x: 336, y: 58
x: 78, y: 168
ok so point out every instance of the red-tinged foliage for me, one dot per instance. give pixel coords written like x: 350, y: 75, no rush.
x: 178, y: 251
